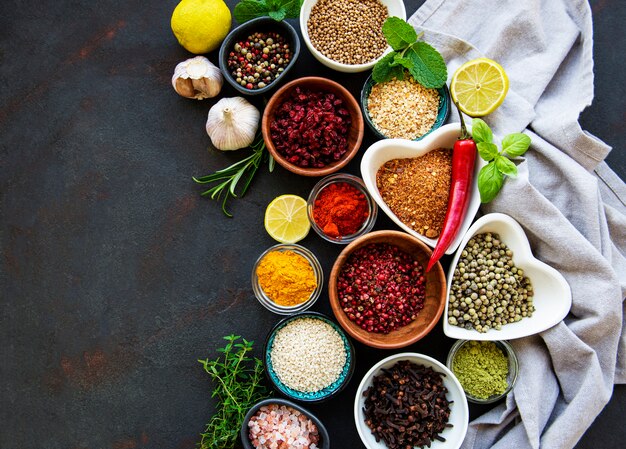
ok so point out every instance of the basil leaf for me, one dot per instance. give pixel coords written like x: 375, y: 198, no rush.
x: 250, y: 9
x: 384, y: 71
x: 481, y: 131
x: 487, y: 150
x: 398, y: 33
x: 429, y: 68
x: 506, y: 166
x: 489, y: 182
x: 515, y: 144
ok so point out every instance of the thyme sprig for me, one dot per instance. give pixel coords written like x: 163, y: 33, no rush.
x: 238, y: 386
x: 228, y: 178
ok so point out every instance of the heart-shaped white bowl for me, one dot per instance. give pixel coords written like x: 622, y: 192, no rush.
x: 552, y: 295
x: 387, y: 149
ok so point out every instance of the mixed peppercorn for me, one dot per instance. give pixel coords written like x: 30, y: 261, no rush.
x: 381, y: 288
x: 258, y: 60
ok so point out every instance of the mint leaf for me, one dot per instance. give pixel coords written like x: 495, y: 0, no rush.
x: 398, y: 33
x: 481, y: 131
x: 292, y: 7
x: 506, y: 166
x: 489, y: 182
x: 276, y: 9
x: 515, y: 144
x: 384, y: 70
x: 487, y: 150
x: 399, y: 60
x: 429, y: 68
x: 278, y: 15
x: 250, y: 9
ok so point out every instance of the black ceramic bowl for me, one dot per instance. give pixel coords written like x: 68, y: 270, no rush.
x: 326, y: 393
x: 323, y: 433
x: 260, y: 24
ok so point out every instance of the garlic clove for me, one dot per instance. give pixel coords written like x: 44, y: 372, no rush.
x: 232, y: 123
x: 197, y: 78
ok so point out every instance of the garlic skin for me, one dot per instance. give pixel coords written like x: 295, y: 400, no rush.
x: 197, y: 78
x: 232, y: 123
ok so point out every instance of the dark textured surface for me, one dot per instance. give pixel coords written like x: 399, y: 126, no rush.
x: 116, y: 275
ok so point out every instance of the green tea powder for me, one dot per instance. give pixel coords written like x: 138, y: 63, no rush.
x: 481, y: 367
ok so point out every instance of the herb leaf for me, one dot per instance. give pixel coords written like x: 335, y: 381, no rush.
x: 489, y: 182
x: 250, y: 9
x: 487, y: 150
x: 429, y: 68
x: 481, y: 131
x: 278, y: 15
x: 276, y: 9
x: 237, y: 385
x: 230, y: 176
x: 398, y: 33
x: 384, y: 70
x: 515, y: 144
x: 505, y: 166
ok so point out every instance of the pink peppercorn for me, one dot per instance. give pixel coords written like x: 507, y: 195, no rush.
x: 381, y: 288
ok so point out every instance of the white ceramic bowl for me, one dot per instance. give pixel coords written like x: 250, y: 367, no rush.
x: 387, y: 149
x: 459, y: 414
x: 395, y: 8
x: 552, y: 295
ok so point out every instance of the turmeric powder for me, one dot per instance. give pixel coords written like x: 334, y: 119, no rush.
x: 286, y: 277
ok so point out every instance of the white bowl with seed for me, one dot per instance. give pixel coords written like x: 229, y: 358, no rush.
x: 551, y: 294
x: 338, y: 32
x: 383, y: 151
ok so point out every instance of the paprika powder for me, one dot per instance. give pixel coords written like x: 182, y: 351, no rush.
x: 340, y: 209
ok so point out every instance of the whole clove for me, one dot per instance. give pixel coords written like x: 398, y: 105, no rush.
x: 406, y: 406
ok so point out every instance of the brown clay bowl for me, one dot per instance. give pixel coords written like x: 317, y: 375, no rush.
x: 433, y: 305
x: 355, y: 134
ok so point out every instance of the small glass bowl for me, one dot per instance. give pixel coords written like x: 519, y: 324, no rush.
x: 511, y: 378
x: 288, y: 310
x: 318, y: 396
x: 442, y: 113
x: 355, y: 181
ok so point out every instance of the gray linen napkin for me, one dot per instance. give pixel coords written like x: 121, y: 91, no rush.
x: 571, y: 205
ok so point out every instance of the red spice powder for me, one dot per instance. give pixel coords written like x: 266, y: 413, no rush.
x: 340, y: 209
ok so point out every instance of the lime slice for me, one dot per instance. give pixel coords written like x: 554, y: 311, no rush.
x: 479, y: 87
x: 286, y: 219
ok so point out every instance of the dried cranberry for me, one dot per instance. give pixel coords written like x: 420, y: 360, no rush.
x: 310, y: 128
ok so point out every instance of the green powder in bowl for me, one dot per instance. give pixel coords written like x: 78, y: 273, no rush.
x: 487, y: 370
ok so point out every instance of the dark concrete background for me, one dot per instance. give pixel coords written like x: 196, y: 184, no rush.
x: 116, y: 276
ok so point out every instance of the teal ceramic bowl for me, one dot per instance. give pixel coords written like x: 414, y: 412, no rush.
x: 318, y: 396
x: 442, y: 114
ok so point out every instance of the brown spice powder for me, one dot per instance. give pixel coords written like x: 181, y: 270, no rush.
x: 417, y: 189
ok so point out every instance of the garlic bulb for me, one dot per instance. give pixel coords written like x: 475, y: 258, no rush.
x: 232, y: 123
x: 197, y: 78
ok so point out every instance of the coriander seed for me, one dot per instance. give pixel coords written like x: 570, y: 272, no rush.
x: 348, y: 31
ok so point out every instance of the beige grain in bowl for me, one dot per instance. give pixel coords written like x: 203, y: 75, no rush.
x: 346, y: 37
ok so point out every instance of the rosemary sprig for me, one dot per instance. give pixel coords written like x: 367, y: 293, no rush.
x: 238, y: 386
x: 228, y: 178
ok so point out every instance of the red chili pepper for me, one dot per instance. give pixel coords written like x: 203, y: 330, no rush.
x: 463, y: 160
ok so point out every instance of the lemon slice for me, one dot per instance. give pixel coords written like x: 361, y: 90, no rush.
x: 479, y: 87
x: 286, y: 219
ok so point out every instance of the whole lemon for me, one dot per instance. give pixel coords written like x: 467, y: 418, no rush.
x: 201, y: 25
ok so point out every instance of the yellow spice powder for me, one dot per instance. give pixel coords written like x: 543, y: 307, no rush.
x: 286, y: 277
